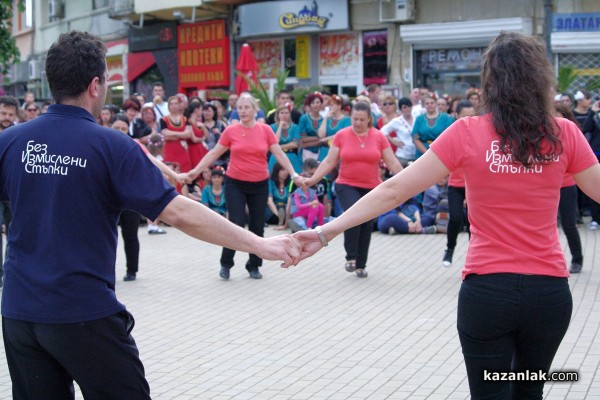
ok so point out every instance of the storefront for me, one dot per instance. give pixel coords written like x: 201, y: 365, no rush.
x: 311, y: 40
x: 447, y: 57
x: 575, y: 41
x: 116, y: 63
x: 152, y: 57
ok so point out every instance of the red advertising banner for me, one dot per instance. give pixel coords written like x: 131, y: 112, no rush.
x: 203, y: 52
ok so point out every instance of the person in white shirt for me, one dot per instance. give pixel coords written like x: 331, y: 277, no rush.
x: 161, y: 107
x: 398, y: 132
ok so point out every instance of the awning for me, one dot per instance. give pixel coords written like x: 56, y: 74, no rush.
x: 575, y: 42
x: 476, y: 33
x: 138, y: 63
x: 149, y: 6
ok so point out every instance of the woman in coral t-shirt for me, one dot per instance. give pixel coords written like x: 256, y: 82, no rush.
x: 514, y: 304
x: 359, y: 147
x: 247, y: 177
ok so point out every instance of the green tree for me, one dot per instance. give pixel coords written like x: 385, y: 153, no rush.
x: 9, y: 53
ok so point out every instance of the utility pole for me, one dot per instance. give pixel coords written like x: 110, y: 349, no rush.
x: 548, y: 27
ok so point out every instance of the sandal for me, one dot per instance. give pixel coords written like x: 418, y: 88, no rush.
x: 350, y: 265
x: 361, y: 273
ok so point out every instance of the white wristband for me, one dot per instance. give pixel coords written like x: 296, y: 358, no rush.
x: 295, y: 175
x: 322, y: 238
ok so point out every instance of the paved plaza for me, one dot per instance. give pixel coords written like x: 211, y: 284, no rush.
x: 318, y: 332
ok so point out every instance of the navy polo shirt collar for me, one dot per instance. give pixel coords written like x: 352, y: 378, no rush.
x: 74, y: 111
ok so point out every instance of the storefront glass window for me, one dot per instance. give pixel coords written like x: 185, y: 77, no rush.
x: 268, y: 54
x: 585, y: 65
x: 289, y: 56
x: 449, y: 71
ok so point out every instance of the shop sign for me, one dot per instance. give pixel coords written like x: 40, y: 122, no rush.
x: 452, y: 59
x: 154, y: 37
x: 302, y: 57
x: 290, y: 20
x: 338, y: 54
x: 280, y: 17
x: 203, y: 53
x: 114, y: 65
x: 583, y: 22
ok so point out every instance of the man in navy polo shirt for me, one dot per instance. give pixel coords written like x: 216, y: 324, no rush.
x: 67, y: 180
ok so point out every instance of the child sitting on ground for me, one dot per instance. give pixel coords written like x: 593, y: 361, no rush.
x: 306, y: 204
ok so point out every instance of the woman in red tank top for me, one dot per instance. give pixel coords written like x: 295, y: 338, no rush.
x: 176, y: 133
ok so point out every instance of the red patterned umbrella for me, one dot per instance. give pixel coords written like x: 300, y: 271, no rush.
x: 246, y: 65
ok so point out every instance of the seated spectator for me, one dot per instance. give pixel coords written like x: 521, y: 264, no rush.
x: 213, y: 195
x: 305, y: 204
x: 323, y: 192
x: 404, y: 219
x: 279, y: 183
x: 435, y: 205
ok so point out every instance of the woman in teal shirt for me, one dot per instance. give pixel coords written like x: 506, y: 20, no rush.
x: 309, y: 125
x: 288, y: 134
x: 279, y: 183
x: 429, y: 126
x: 334, y: 121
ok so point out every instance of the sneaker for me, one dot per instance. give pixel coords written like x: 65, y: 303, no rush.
x: 294, y: 226
x: 391, y: 231
x: 447, y: 260
x: 224, y: 273
x: 156, y: 231
x: 428, y: 230
x: 575, y: 268
x: 593, y: 226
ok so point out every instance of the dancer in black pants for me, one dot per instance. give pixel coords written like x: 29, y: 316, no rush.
x: 457, y: 195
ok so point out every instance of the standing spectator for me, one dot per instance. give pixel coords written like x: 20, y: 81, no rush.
x: 333, y: 122
x: 197, y: 147
x: 565, y: 99
x: 374, y: 92
x: 443, y: 104
x: 282, y: 98
x: 582, y: 106
x: 514, y: 304
x: 359, y: 148
x: 389, y: 111
x: 45, y: 106
x: 31, y: 111
x: 309, y: 125
x: 215, y: 129
x: 8, y: 114
x: 473, y: 97
x: 161, y: 107
x: 149, y: 117
x: 231, y: 102
x: 288, y: 137
x: 105, y: 117
x: 591, y: 129
x: 419, y: 106
x: 28, y: 100
x: 64, y: 250
x: 399, y: 133
x: 247, y: 177
x: 176, y: 132
x: 429, y: 126
x: 457, y: 196
x: 137, y: 127
x: 220, y: 116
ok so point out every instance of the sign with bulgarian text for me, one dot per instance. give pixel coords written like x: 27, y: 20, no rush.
x: 283, y: 17
x: 203, y: 52
x: 583, y: 22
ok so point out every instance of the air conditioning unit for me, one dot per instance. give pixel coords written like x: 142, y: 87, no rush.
x: 34, y: 69
x: 396, y: 10
x: 55, y: 9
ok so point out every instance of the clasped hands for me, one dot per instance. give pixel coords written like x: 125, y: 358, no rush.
x: 292, y: 248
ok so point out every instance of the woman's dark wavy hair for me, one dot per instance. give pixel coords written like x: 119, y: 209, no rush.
x: 72, y: 62
x: 275, y: 175
x: 206, y: 106
x: 517, y: 80
x: 189, y: 110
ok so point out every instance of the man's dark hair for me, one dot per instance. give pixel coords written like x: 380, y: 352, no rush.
x: 373, y: 87
x: 9, y: 101
x: 283, y: 92
x: 463, y: 104
x: 155, y: 84
x: 404, y: 101
x: 72, y: 62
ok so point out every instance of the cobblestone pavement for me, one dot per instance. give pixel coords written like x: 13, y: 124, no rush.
x: 318, y: 332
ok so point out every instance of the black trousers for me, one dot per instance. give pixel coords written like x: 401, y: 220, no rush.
x: 357, y: 239
x: 100, y: 355
x: 238, y: 195
x: 567, y: 210
x: 511, y: 322
x: 456, y: 199
x: 130, y: 222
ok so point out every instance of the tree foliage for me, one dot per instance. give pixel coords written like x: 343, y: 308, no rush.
x: 9, y: 53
